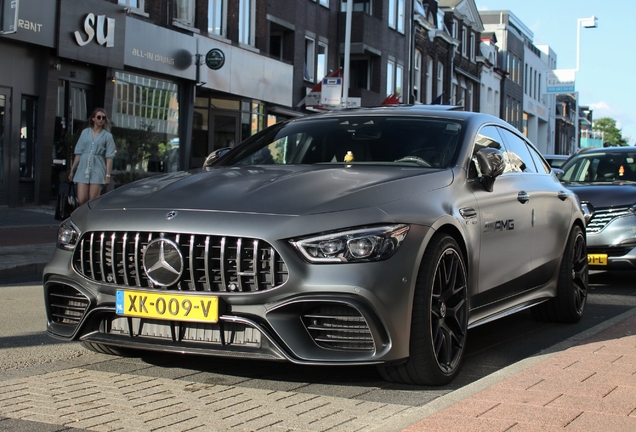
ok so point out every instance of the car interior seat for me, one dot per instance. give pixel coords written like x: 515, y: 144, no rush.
x: 606, y: 170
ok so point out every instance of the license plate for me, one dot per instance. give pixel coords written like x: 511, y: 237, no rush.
x: 176, y: 307
x: 597, y: 259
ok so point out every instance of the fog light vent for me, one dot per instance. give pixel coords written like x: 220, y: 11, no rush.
x: 67, y: 305
x: 338, y: 327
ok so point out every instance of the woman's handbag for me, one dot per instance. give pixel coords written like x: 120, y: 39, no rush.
x: 66, y: 201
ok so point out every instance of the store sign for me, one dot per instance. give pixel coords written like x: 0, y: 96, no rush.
x: 155, y: 48
x: 100, y: 26
x: 35, y: 22
x: 561, y: 81
x: 215, y: 59
x: 91, y: 31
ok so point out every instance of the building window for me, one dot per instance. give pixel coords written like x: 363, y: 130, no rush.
x: 469, y: 96
x: 135, y: 4
x: 310, y: 62
x: 525, y: 78
x: 324, y: 3
x: 417, y: 84
x: 184, y: 12
x: 360, y: 74
x: 390, y: 77
x: 365, y: 6
x: 216, y: 17
x: 321, y: 61
x: 454, y: 29
x: 464, y: 42
x: 440, y: 82
x: 246, y: 21
x: 399, y: 79
x: 396, y: 15
x: 472, y: 46
x: 429, y: 80
x: 28, y: 139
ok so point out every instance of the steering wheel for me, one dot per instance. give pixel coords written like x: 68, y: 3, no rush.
x: 415, y: 160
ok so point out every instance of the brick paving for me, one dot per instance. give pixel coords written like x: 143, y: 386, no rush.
x: 589, y: 387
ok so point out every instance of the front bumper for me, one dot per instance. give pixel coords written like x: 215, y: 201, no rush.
x: 617, y: 240
x: 355, y: 313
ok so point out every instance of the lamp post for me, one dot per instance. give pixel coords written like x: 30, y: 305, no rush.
x: 591, y: 22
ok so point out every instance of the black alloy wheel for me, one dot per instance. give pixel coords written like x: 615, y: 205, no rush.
x: 440, y: 318
x: 571, y: 298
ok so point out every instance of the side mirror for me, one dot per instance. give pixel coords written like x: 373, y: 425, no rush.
x: 558, y: 172
x: 491, y: 164
x: 215, y: 155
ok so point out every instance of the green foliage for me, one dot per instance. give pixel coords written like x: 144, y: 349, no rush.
x: 612, y: 136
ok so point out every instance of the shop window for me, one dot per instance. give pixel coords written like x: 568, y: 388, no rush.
x: 246, y: 21
x: 184, y: 12
x: 217, y: 17
x: 145, y: 125
x: 27, y: 137
x: 3, y: 104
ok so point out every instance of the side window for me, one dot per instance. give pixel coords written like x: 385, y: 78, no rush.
x: 517, y: 153
x: 541, y: 164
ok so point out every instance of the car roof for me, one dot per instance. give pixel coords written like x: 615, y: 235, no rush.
x: 622, y: 149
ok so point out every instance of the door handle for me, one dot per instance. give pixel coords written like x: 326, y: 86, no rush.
x: 523, y: 197
x: 563, y: 195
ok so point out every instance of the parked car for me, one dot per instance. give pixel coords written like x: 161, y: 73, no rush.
x: 555, y: 161
x: 369, y: 236
x: 605, y: 181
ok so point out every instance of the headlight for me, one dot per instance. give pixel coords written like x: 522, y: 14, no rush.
x: 356, y: 245
x: 67, y: 235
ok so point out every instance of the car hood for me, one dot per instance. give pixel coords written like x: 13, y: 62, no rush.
x: 618, y: 194
x: 281, y: 190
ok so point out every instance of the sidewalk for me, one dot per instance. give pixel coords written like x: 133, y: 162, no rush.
x: 587, y: 387
x: 27, y: 241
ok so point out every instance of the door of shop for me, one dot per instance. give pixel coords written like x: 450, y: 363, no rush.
x: 223, y: 131
x: 4, y: 145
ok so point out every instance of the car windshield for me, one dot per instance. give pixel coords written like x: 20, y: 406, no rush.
x: 408, y: 141
x: 600, y: 167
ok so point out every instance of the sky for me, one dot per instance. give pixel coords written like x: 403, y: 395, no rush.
x: 605, y: 80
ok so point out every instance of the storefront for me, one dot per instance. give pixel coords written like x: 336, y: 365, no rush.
x: 25, y: 58
x: 168, y: 107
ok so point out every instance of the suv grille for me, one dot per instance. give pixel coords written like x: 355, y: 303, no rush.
x: 337, y: 326
x: 211, y: 263
x: 603, y: 217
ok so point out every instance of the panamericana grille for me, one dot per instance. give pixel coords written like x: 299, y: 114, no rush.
x: 603, y: 217
x: 338, y: 326
x: 212, y: 263
x: 67, y: 305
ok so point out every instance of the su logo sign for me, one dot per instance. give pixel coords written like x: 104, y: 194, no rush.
x: 100, y: 26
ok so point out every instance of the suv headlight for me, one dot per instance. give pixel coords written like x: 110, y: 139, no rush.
x: 355, y: 245
x: 67, y: 235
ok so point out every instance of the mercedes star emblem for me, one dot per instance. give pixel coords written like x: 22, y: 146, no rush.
x: 163, y: 262
x: 171, y: 214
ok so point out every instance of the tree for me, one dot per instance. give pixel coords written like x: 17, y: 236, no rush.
x: 612, y: 136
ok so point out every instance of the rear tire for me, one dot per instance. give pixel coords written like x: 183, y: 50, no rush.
x: 569, y: 303
x: 440, y: 318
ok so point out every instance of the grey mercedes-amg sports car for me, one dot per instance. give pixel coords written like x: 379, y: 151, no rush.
x: 368, y: 236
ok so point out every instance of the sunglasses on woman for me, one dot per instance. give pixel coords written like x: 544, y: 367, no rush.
x: 100, y: 117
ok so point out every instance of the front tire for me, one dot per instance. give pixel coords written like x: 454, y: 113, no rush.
x: 440, y: 318
x: 571, y: 298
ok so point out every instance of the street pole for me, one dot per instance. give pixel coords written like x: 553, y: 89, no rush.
x: 347, y: 54
x: 591, y: 22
